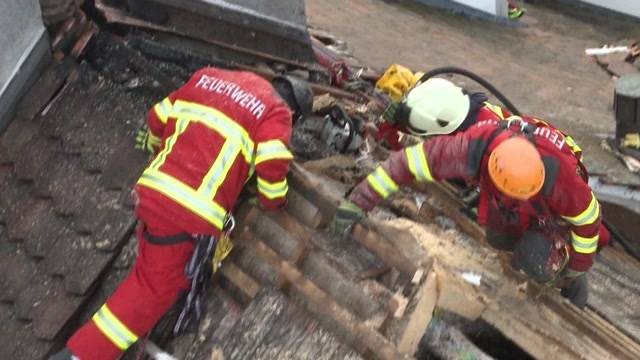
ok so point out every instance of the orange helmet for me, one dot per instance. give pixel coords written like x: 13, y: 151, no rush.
x: 516, y: 168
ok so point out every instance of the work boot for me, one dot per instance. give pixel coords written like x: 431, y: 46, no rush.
x: 515, y: 13
x: 577, y: 291
x: 64, y: 354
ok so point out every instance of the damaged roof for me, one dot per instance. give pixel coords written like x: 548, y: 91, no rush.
x: 67, y: 168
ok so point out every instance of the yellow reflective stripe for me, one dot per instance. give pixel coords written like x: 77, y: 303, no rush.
x: 163, y: 110
x: 218, y: 172
x: 382, y: 183
x: 495, y: 109
x: 588, y: 216
x: 185, y: 196
x: 218, y: 121
x: 584, y: 245
x: 417, y: 162
x: 117, y: 332
x: 575, y: 148
x: 272, y: 190
x: 181, y: 126
x: 272, y: 149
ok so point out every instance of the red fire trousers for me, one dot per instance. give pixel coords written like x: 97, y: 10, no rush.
x: 145, y: 295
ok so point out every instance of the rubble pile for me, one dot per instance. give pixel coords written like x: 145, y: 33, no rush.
x: 617, y: 60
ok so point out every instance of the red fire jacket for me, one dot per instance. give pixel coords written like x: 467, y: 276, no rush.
x: 565, y: 200
x: 210, y: 136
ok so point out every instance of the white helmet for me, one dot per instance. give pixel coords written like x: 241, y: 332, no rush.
x: 434, y: 107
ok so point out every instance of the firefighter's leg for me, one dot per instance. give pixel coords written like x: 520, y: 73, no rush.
x: 542, y: 257
x: 501, y: 241
x: 147, y: 293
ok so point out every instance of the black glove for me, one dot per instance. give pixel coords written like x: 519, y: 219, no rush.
x: 347, y: 215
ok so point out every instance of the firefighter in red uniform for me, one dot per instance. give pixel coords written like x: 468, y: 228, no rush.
x: 534, y: 196
x: 209, y: 137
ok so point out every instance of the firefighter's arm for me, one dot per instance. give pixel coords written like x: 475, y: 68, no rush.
x: 157, y: 118
x: 573, y: 200
x: 273, y: 157
x: 439, y: 158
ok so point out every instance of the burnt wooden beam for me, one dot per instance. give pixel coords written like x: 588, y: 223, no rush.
x: 420, y: 316
x: 380, y: 347
x: 451, y: 207
x: 303, y: 210
x: 240, y: 279
x: 311, y: 189
x: 445, y: 341
x: 278, y: 230
x: 585, y: 326
x: 383, y: 250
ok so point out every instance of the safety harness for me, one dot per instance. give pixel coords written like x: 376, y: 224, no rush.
x: 207, y: 256
x: 206, y: 259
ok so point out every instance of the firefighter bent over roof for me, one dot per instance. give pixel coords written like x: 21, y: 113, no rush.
x: 208, y: 137
x: 534, y: 197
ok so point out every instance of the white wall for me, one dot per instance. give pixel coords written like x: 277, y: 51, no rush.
x: 488, y: 6
x: 20, y: 28
x: 629, y: 7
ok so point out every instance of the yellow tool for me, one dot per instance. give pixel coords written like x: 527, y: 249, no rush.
x: 397, y: 80
x: 223, y: 248
x: 631, y: 141
x: 224, y: 244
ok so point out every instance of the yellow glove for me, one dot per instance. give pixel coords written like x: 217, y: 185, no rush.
x: 145, y: 141
x: 348, y: 214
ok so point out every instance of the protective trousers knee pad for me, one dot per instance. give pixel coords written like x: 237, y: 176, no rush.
x: 531, y: 255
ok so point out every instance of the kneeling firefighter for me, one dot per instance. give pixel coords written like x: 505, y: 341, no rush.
x: 534, y: 197
x: 209, y: 136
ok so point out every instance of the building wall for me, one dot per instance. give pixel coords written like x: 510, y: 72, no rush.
x: 488, y: 6
x: 487, y: 9
x: 24, y: 44
x: 629, y: 7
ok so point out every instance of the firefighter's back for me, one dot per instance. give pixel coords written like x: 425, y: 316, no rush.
x: 208, y: 149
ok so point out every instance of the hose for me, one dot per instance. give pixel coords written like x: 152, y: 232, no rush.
x: 477, y: 78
